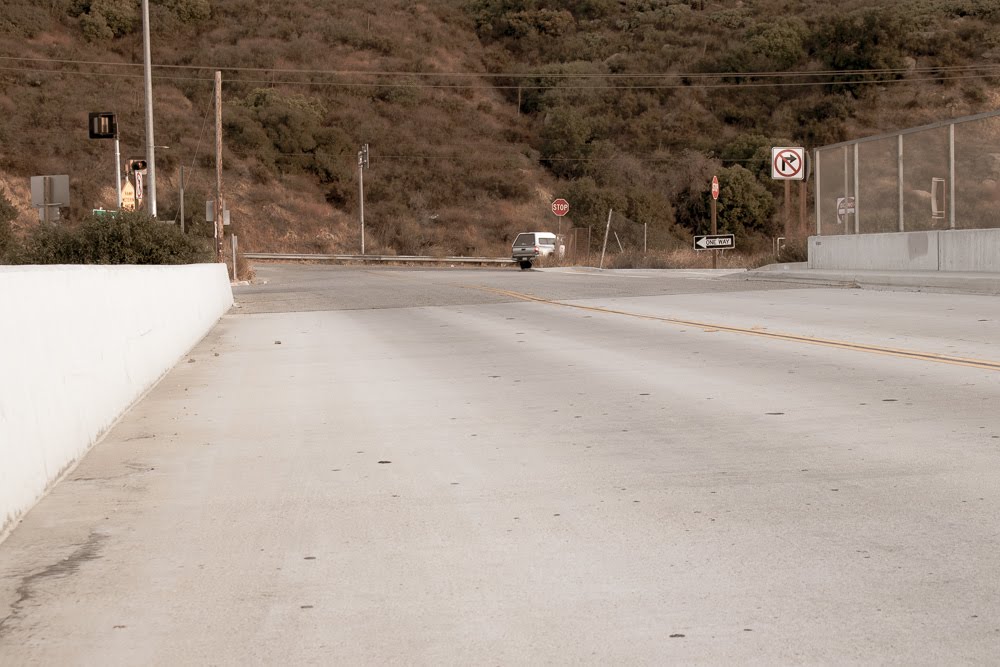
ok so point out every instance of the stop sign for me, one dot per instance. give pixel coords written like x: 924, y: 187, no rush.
x: 560, y: 207
x: 715, y: 187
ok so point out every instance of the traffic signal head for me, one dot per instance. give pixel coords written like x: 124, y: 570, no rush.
x: 103, y: 125
x: 136, y: 165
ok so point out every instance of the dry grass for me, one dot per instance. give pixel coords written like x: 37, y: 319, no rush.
x: 684, y: 258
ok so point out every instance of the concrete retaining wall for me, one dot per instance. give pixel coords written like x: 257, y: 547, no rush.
x: 954, y: 250
x: 970, y: 250
x: 78, y: 345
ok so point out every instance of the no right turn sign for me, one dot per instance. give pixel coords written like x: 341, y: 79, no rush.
x: 788, y: 164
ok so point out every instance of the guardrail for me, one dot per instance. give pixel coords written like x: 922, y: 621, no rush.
x: 377, y: 258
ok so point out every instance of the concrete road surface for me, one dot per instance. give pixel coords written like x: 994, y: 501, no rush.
x: 379, y: 466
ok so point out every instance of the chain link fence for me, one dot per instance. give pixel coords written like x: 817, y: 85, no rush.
x: 940, y: 176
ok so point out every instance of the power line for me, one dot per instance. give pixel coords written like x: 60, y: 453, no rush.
x: 425, y: 86
x: 520, y: 75
x: 684, y: 79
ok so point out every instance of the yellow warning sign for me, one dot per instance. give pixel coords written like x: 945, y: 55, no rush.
x: 128, y: 196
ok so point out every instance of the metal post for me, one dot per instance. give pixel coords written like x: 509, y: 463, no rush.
x: 788, y: 208
x: 644, y: 237
x: 715, y: 230
x: 361, y: 196
x: 150, y: 151
x: 819, y: 199
x: 857, y: 192
x: 118, y: 175
x: 181, y: 188
x: 803, y: 196
x: 606, y: 230
x: 847, y: 177
x: 899, y: 181
x: 233, y: 236
x: 219, y: 231
x: 46, y: 198
x: 951, y: 176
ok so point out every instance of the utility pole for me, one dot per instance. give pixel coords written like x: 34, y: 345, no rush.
x: 606, y: 230
x: 150, y: 151
x: 362, y: 163
x: 219, y: 231
x: 183, y: 229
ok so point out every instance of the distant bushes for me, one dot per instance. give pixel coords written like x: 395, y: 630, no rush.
x: 103, y: 20
x: 7, y: 215
x: 125, y: 238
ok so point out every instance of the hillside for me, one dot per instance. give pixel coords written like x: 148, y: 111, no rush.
x: 477, y: 113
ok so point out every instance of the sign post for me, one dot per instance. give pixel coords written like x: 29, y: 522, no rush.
x: 715, y: 226
x: 788, y: 164
x: 845, y: 207
x: 104, y: 125
x: 128, y: 197
x: 560, y: 207
x: 715, y: 242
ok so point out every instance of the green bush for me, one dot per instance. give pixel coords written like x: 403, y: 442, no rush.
x: 745, y: 207
x: 125, y: 238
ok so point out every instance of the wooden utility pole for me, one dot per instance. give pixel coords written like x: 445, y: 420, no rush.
x: 181, y: 188
x: 219, y: 231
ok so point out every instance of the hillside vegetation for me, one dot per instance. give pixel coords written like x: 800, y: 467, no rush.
x: 477, y: 112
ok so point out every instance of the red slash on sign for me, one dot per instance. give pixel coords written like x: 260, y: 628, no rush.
x: 787, y: 163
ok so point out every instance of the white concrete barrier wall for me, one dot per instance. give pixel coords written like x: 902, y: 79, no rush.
x: 916, y: 251
x: 970, y: 250
x: 975, y: 250
x: 78, y: 346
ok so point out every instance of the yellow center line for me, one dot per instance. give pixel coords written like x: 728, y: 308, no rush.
x: 775, y: 335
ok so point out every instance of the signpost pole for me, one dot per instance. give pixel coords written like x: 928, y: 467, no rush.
x: 219, y: 231
x: 715, y: 225
x: 606, y: 230
x: 788, y: 208
x: 46, y: 197
x: 361, y: 197
x: 715, y: 230
x: 118, y: 175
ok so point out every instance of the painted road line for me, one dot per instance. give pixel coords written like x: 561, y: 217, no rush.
x: 760, y: 333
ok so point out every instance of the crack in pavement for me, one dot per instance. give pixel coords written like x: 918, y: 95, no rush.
x: 69, y: 565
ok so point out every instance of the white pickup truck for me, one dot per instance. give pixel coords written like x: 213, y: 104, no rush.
x: 529, y: 246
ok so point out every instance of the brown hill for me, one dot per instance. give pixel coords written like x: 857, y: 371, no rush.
x: 477, y: 113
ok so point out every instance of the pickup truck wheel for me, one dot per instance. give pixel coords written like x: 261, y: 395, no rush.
x: 525, y: 264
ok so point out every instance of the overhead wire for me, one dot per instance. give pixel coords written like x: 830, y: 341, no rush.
x: 682, y: 80
x: 521, y: 75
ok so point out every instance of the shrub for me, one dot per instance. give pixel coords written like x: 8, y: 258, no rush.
x: 8, y: 241
x: 870, y: 39
x: 745, y: 206
x: 104, y: 19
x: 125, y: 238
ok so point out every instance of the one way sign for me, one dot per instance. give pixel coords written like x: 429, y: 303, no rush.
x: 788, y: 164
x: 715, y: 242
